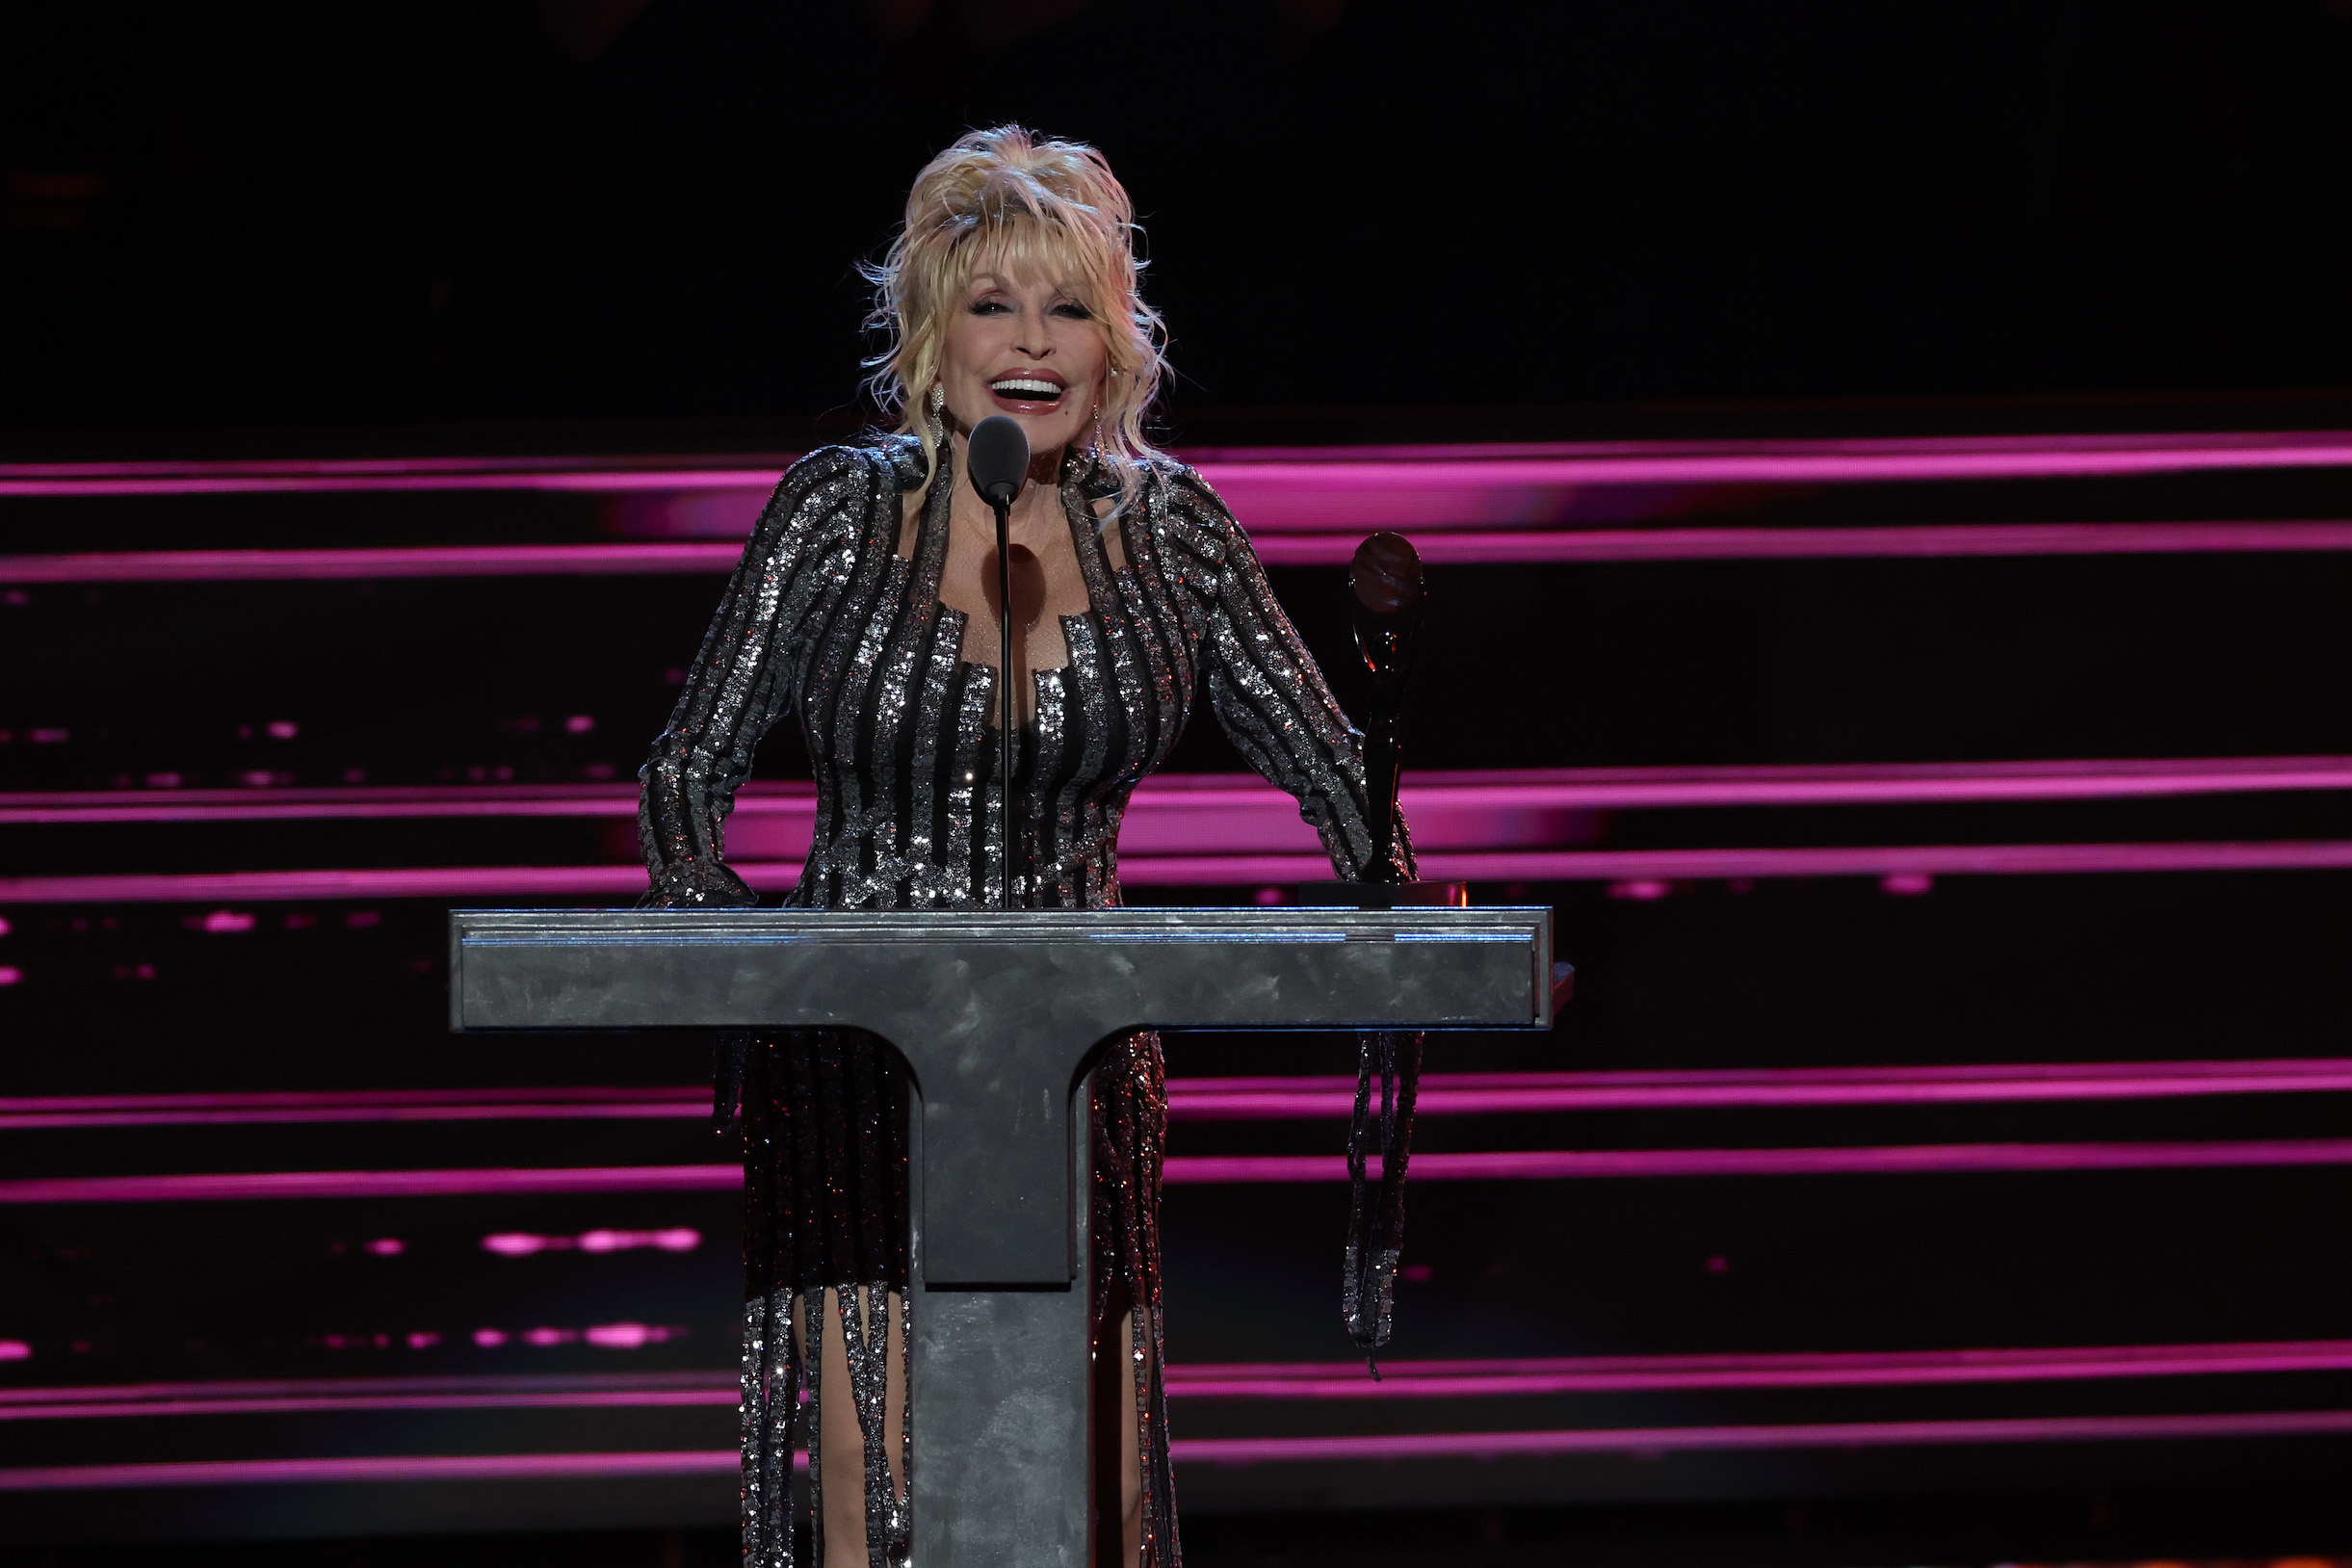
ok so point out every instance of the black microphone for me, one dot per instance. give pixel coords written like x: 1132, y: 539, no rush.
x: 1384, y: 586
x: 998, y: 455
x: 1384, y: 601
x: 999, y: 459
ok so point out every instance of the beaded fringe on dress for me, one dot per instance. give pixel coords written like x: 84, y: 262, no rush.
x: 824, y: 1115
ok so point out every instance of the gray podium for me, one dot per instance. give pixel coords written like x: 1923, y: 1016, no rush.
x: 1000, y: 1017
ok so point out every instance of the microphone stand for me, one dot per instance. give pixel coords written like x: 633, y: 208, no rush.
x: 1382, y: 755
x: 1385, y: 604
x: 1004, y: 706
x: 1385, y: 594
x: 997, y: 453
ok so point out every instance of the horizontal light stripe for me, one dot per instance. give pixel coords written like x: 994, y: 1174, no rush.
x: 1487, y: 1378
x: 622, y: 883
x: 387, y: 1467
x: 1436, y: 544
x: 619, y: 883
x: 1947, y: 541
x: 1877, y: 1159
x: 1509, y: 1165
x: 250, y: 1185
x: 1465, y: 810
x: 330, y: 1106
x: 1257, y: 1099
x: 1475, y: 1094
x: 1765, y: 864
x: 328, y: 1404
x: 371, y: 564
x: 1647, y: 1440
x: 1526, y: 1376
x: 126, y: 1394
x: 1542, y: 464
x: 288, y: 1404
x: 1224, y: 1450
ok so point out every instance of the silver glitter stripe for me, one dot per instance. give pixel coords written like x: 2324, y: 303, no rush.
x: 865, y: 1311
x: 812, y: 1315
x: 835, y: 681
x: 1149, y: 709
x: 737, y: 683
x: 863, y: 797
x: 1161, y: 626
x: 964, y: 796
x: 932, y: 626
x: 894, y: 697
x: 1069, y: 814
x: 1113, y: 613
x: 752, y: 1420
x: 1046, y: 884
x: 1265, y: 688
x: 938, y: 675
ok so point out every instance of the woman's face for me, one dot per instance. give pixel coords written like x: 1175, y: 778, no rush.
x: 1026, y: 349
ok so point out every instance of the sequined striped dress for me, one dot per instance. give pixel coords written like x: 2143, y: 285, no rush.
x: 825, y: 620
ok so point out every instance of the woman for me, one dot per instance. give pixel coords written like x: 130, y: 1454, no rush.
x: 867, y: 599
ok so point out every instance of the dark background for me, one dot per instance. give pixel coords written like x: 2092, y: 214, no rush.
x: 269, y: 217
x: 600, y: 227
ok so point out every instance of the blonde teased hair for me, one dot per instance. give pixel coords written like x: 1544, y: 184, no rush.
x: 1010, y: 199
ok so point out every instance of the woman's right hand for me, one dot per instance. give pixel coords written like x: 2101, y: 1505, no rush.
x: 695, y: 884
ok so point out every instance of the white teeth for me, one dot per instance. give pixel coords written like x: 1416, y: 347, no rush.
x: 1015, y: 386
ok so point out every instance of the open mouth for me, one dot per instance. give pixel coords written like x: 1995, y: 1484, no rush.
x: 1027, y: 392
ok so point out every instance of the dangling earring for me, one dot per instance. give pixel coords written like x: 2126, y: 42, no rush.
x: 1098, y: 430
x: 937, y: 403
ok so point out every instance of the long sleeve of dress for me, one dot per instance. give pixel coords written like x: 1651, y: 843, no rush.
x: 1272, y: 699
x: 741, y: 682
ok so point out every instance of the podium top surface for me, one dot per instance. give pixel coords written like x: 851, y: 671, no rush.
x: 1315, y: 967
x: 998, y: 1015
x: 1292, y: 924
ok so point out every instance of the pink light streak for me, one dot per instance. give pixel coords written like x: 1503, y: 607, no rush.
x: 1648, y: 1439
x: 1241, y: 469
x: 1879, y: 861
x: 371, y: 564
x: 267, y: 1185
x: 389, y: 1466
x: 1478, y: 1094
x: 692, y: 1391
x: 524, y: 1244
x: 1928, y: 541
x: 387, y: 475
x: 1533, y: 1165
x: 1275, y: 547
x: 1211, y: 803
x: 295, y: 1106
x: 1225, y: 1451
x: 1488, y: 1378
x: 1246, y: 1099
x: 618, y: 882
x: 1526, y: 1377
x: 1881, y: 1160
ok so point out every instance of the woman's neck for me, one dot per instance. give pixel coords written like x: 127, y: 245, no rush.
x: 1035, y: 519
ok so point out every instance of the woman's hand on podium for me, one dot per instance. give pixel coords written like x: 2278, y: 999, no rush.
x: 696, y: 885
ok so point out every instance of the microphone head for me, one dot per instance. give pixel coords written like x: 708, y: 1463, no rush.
x: 1384, y: 598
x: 1385, y: 579
x: 999, y: 459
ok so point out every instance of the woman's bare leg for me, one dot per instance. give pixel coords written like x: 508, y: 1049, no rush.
x: 842, y: 1450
